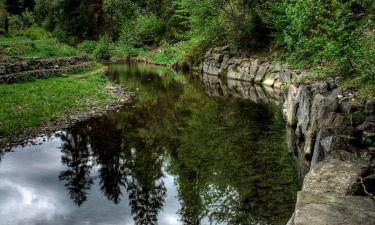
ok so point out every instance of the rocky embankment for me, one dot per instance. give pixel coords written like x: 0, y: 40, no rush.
x: 327, y: 128
x: 24, y: 70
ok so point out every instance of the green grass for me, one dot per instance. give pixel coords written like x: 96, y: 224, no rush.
x: 33, y: 43
x: 365, y: 88
x: 33, y: 104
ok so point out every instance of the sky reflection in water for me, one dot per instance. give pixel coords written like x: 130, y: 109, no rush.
x: 177, y: 156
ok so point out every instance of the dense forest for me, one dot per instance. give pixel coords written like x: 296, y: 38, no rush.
x: 334, y: 35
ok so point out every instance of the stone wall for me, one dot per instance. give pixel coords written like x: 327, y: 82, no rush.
x: 224, y: 63
x: 325, y: 129
x: 13, y: 72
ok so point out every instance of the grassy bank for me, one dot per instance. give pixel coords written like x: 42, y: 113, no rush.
x: 32, y: 43
x: 34, y: 104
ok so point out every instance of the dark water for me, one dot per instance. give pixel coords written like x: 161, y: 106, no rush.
x: 186, y: 152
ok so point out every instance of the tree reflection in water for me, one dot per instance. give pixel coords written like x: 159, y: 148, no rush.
x: 122, y: 164
x: 228, y: 156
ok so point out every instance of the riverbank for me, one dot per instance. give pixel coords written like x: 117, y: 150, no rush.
x: 330, y: 133
x: 46, y: 105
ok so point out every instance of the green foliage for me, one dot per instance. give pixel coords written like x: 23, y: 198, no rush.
x: 36, y: 33
x: 147, y: 30
x: 87, y: 46
x: 15, y: 22
x: 33, y: 42
x: 103, y: 48
x: 327, y: 33
x: 23, y: 21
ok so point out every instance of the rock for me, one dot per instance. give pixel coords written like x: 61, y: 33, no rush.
x: 291, y: 106
x: 3, y: 69
x: 325, y: 209
x: 320, y: 109
x: 275, y: 68
x: 319, y: 87
x: 225, y: 48
x: 368, y: 125
x: 370, y: 107
x: 333, y: 176
x: 336, y: 93
x: 335, y: 120
x: 333, y: 144
x: 318, y: 153
x: 269, y: 80
x: 262, y: 71
x: 254, y: 69
x: 369, y: 182
x: 349, y: 107
x: 303, y: 99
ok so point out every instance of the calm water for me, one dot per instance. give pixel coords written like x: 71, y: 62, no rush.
x: 187, y: 151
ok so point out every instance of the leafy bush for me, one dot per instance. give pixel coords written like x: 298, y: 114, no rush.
x: 20, y: 22
x: 103, y: 48
x: 15, y: 23
x: 87, y: 46
x: 147, y: 30
x: 322, y: 32
x: 36, y: 33
x: 28, y: 18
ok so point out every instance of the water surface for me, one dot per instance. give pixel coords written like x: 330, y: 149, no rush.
x: 187, y: 151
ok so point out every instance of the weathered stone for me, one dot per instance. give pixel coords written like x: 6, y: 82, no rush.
x: 321, y: 108
x: 262, y: 71
x: 3, y: 69
x: 325, y: 209
x: 319, y: 87
x: 269, y: 80
x: 254, y: 69
x: 275, y: 68
x: 233, y: 72
x: 260, y: 93
x: 291, y: 106
x: 333, y: 176
x: 277, y: 84
x: 335, y: 120
x: 303, y: 100
x: 336, y: 93
x: 368, y: 125
x: 349, y: 107
x: 225, y: 48
x: 333, y: 144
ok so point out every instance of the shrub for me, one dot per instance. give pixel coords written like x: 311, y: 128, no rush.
x: 15, y: 23
x: 28, y: 19
x: 322, y: 32
x: 103, y: 48
x: 36, y: 33
x: 147, y: 29
x: 88, y: 46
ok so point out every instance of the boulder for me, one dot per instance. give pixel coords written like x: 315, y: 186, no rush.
x: 254, y: 68
x: 321, y: 107
x: 349, y: 107
x: 291, y: 106
x: 263, y: 67
x: 303, y: 100
x: 3, y: 68
x: 270, y: 80
x: 333, y: 176
x: 325, y: 209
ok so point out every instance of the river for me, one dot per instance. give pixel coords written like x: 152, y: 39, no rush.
x: 188, y: 150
